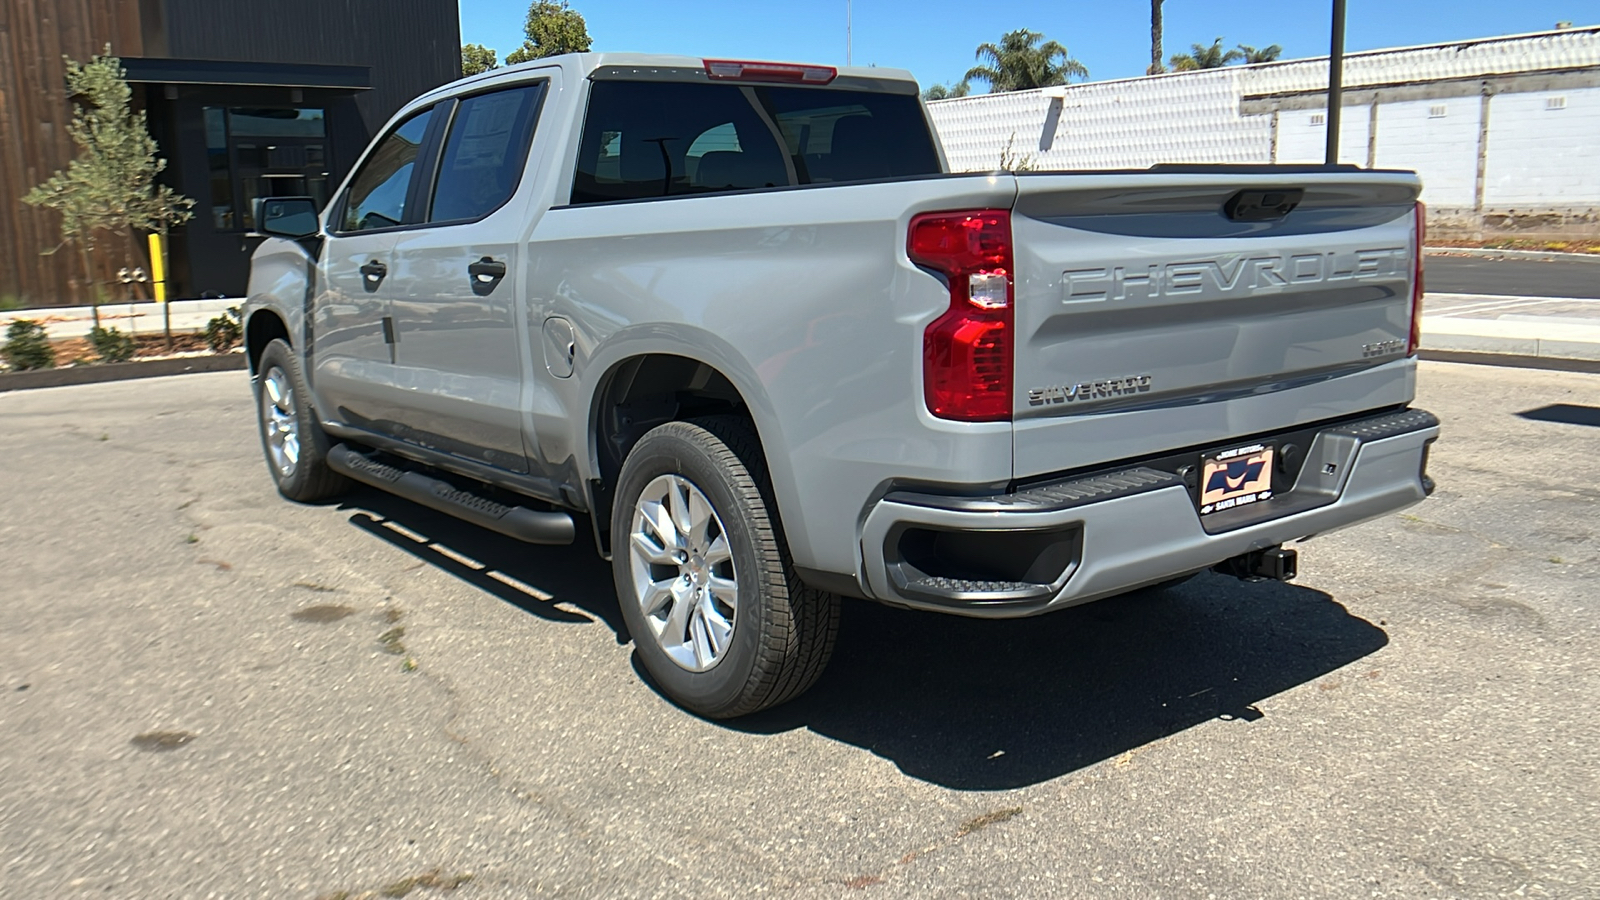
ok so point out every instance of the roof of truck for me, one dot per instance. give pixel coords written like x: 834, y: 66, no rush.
x: 586, y: 64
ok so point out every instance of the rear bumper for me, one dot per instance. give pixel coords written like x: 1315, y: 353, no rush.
x: 1084, y: 538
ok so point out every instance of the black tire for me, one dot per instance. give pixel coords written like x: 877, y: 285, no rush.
x: 783, y: 631
x: 309, y: 479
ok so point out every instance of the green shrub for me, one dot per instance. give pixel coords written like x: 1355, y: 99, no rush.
x: 223, y: 332
x: 112, y: 345
x: 27, y: 347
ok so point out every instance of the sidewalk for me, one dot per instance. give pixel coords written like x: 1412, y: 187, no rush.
x: 129, y: 318
x: 1547, y: 328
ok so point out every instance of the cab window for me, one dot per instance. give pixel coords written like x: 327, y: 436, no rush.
x: 377, y: 195
x: 485, y: 153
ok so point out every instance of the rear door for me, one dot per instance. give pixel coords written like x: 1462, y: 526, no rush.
x: 456, y: 303
x: 1158, y: 311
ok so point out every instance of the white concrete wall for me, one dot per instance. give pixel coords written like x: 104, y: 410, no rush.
x: 1106, y: 125
x: 1538, y: 159
x: 1542, y: 157
x: 1441, y: 149
x: 1303, y: 135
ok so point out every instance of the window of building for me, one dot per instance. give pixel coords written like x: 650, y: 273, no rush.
x: 378, y: 191
x: 485, y: 153
x: 277, y: 122
x: 259, y: 152
x: 222, y: 213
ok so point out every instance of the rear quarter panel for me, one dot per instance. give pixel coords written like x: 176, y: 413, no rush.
x: 805, y: 300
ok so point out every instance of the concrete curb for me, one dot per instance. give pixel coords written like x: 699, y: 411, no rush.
x: 1512, y: 360
x: 153, y: 368
x: 1543, y: 255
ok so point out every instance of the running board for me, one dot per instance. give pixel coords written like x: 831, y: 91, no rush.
x: 518, y: 522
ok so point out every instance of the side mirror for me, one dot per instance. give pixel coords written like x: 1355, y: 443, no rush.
x: 290, y: 217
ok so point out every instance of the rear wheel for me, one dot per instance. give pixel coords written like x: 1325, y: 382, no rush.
x: 294, y: 443
x: 718, y: 617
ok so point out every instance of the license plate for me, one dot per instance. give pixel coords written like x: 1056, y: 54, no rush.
x: 1235, y: 477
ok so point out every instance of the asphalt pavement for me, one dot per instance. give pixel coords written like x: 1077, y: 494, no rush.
x: 1513, y: 310
x: 1513, y: 277
x: 207, y: 691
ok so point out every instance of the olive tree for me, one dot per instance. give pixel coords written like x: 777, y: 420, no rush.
x: 110, y: 186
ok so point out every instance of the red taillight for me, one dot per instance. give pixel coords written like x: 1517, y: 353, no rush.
x: 1421, y: 219
x: 966, y: 353
x: 735, y: 70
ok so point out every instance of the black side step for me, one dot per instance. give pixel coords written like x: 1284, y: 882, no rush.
x: 518, y: 522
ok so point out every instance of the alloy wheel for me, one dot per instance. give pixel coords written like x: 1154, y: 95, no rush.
x: 279, y: 421
x: 683, y: 575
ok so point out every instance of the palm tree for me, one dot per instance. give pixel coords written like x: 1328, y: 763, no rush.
x: 1203, y: 57
x: 1266, y: 54
x: 1156, y: 68
x: 1021, y: 62
x: 946, y: 91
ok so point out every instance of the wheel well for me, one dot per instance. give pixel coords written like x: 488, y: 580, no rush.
x: 637, y: 395
x: 262, y: 328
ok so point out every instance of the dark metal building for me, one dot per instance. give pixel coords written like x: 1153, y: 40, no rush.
x: 245, y: 99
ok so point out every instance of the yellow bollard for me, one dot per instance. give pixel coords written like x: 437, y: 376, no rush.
x: 158, y: 282
x: 158, y: 268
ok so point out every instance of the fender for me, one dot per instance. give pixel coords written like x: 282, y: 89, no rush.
x: 690, y: 342
x: 283, y: 280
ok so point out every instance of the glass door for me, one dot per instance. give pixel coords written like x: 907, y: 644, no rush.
x: 258, y: 152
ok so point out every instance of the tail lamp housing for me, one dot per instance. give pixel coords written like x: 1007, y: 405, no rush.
x: 967, y: 353
x: 1421, y: 230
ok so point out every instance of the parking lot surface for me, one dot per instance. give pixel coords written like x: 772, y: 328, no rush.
x: 1518, y: 277
x: 206, y: 691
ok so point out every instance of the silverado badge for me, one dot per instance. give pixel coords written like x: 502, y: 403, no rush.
x: 1089, y: 390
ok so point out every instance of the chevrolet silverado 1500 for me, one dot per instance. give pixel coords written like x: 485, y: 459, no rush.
x: 739, y: 319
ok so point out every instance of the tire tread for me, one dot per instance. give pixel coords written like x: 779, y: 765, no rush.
x: 313, y: 480
x: 803, y: 623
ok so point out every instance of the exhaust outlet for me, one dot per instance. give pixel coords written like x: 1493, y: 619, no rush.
x: 1276, y: 564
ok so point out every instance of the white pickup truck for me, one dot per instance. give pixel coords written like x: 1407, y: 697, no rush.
x: 738, y: 319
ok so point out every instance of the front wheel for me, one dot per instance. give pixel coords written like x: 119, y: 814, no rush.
x: 294, y: 443
x: 706, y: 585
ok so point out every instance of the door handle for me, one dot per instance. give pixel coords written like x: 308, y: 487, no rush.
x: 372, y: 275
x: 486, y: 275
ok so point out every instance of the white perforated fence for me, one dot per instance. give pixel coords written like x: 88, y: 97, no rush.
x: 1505, y: 132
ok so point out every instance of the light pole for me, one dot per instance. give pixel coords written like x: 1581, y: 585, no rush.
x: 849, y: 22
x: 1335, y: 83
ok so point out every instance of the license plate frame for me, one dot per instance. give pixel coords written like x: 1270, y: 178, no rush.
x: 1236, y: 476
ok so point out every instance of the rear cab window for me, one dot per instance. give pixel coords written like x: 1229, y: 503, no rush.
x: 485, y: 153
x: 655, y: 139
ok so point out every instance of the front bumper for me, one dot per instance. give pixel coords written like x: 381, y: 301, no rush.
x: 1083, y: 538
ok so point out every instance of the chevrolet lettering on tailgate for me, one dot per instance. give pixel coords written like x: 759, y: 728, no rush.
x: 1230, y: 275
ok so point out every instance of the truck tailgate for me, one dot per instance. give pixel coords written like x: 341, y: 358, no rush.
x: 1153, y: 314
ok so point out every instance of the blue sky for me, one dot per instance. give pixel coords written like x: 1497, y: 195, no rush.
x: 935, y: 39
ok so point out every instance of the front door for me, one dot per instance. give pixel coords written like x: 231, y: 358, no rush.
x: 353, y: 322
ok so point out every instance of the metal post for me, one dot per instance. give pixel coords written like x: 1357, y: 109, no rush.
x: 849, y: 22
x: 1335, y: 82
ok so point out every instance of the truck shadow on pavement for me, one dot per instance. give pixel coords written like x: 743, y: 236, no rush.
x: 968, y: 704
x: 975, y: 704
x: 536, y: 579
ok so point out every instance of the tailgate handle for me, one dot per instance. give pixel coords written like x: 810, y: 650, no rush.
x: 1262, y: 204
